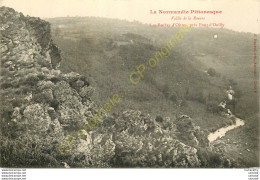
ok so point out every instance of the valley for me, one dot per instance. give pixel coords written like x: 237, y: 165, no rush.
x: 179, y: 85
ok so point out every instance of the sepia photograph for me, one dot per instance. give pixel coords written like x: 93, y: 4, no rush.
x: 129, y: 84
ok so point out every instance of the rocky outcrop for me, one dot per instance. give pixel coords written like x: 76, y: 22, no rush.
x: 187, y: 129
x: 189, y: 133
x: 28, y: 35
x: 143, y: 142
x: 38, y: 101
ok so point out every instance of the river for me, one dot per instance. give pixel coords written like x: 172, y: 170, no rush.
x: 238, y: 122
x: 222, y: 131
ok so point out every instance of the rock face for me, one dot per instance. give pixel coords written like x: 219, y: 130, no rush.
x: 29, y: 36
x: 41, y: 106
x: 189, y: 133
x: 187, y: 130
x: 143, y: 142
x: 37, y: 99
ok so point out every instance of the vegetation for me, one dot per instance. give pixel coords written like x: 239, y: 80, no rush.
x: 174, y: 108
x: 176, y: 86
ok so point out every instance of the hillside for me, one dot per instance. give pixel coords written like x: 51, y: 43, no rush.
x: 49, y: 92
x: 96, y: 51
x: 41, y: 106
x: 193, y: 80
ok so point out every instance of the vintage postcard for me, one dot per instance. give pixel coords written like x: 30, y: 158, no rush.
x: 129, y: 84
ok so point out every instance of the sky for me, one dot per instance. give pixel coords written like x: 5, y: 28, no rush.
x: 237, y: 15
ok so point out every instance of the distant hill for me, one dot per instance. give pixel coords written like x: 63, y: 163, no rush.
x: 108, y: 50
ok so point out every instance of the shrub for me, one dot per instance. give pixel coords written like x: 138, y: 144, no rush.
x: 31, y: 80
x: 173, y: 98
x: 6, y: 85
x: 209, y: 159
x: 212, y: 72
x: 214, y: 160
x: 212, y: 106
x: 39, y: 98
x: 55, y: 80
x: 17, y: 102
x: 55, y: 104
x: 159, y: 119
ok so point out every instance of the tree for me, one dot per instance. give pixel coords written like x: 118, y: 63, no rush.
x: 212, y: 72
